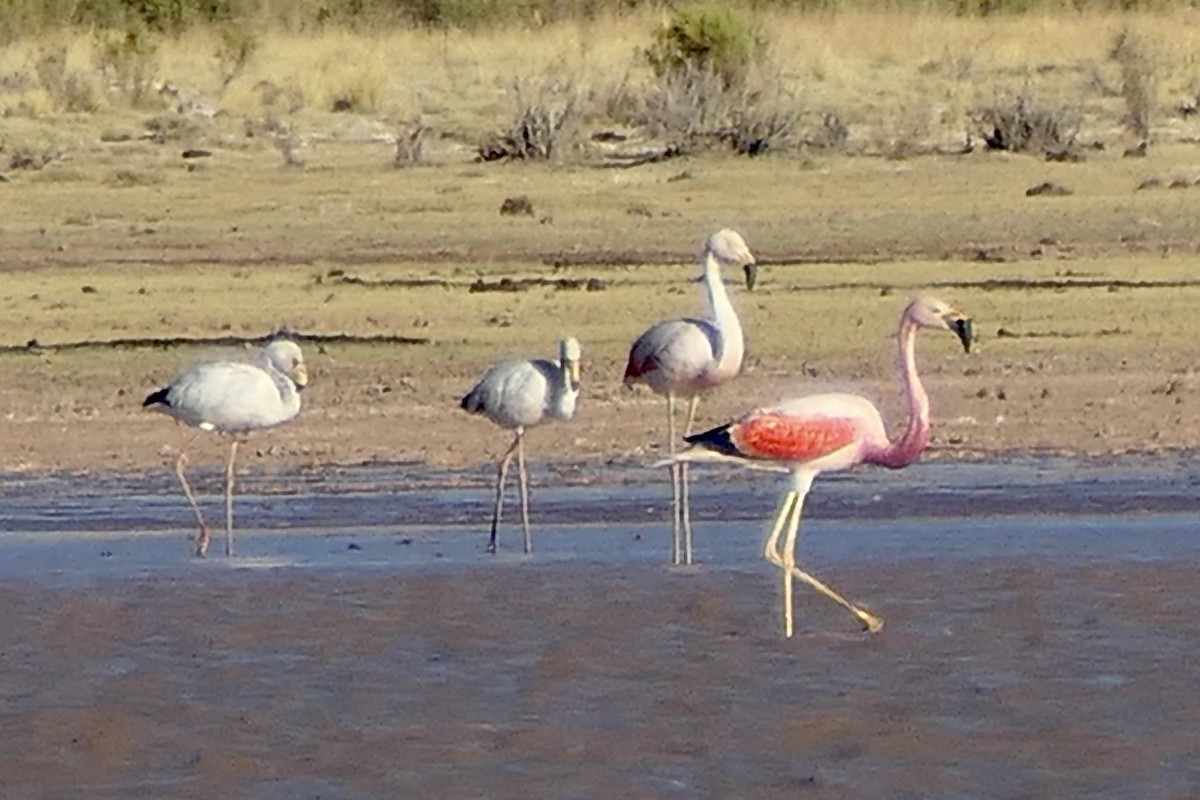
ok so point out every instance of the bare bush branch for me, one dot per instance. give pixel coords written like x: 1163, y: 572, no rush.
x: 1138, y: 85
x: 1022, y: 126
x: 545, y: 122
x: 695, y: 107
x: 410, y: 143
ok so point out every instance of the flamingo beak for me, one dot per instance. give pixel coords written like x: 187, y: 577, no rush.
x: 300, y: 376
x: 751, y: 270
x: 960, y: 323
x: 573, y: 370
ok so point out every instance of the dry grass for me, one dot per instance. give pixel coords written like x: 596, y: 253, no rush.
x: 870, y: 67
x: 239, y: 243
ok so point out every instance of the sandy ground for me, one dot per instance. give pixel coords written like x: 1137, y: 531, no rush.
x: 994, y: 679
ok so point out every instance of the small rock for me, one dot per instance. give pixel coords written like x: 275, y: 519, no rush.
x: 516, y: 206
x: 1136, y: 151
x: 1047, y: 189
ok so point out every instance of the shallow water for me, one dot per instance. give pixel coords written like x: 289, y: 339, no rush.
x: 1033, y: 647
x: 408, y: 494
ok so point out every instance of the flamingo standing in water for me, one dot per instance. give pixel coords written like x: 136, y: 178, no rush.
x: 234, y: 398
x: 516, y: 395
x: 820, y: 433
x: 681, y: 358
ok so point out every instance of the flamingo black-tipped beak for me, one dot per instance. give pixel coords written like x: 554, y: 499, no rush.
x: 574, y: 370
x: 751, y: 270
x: 961, y: 325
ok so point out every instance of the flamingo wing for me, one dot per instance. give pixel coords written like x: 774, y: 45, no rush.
x: 678, y: 350
x: 777, y: 437
x: 797, y: 432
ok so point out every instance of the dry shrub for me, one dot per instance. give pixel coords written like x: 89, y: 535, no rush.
x: 544, y: 125
x: 238, y: 46
x: 68, y: 89
x: 697, y: 109
x: 129, y: 62
x: 363, y: 89
x: 1138, y: 85
x: 713, y: 39
x: 830, y: 133
x: 30, y: 158
x: 174, y: 127
x: 127, y: 177
x: 410, y: 143
x: 1023, y: 126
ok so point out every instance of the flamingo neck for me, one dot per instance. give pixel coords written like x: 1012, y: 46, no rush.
x: 564, y: 394
x: 909, y: 447
x: 725, y: 319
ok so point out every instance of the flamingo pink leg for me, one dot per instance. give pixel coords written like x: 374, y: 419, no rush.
x: 787, y: 560
x: 202, y: 537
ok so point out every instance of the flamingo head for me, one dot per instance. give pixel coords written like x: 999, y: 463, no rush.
x: 728, y: 247
x: 285, y: 356
x: 929, y: 312
x: 569, y: 355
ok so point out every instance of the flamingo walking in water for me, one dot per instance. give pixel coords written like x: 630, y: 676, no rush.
x: 681, y: 358
x: 821, y: 433
x: 234, y: 398
x: 516, y: 395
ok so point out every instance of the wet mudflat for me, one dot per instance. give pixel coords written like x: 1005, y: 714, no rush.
x: 1024, y: 656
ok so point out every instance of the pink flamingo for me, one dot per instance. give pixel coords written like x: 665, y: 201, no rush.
x: 820, y: 433
x: 684, y: 357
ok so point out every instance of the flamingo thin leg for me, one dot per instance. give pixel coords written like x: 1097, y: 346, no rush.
x: 771, y: 549
x: 789, y: 563
x: 676, y: 471
x: 501, y: 475
x: 684, y: 489
x: 523, y: 481
x: 229, y: 499
x: 871, y: 623
x: 202, y: 537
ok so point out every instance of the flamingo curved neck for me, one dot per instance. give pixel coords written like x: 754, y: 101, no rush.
x: 909, y: 447
x: 563, y: 394
x: 731, y: 345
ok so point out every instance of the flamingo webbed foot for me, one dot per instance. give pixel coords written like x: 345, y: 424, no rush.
x: 871, y: 623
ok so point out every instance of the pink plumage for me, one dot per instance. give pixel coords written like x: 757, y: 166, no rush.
x: 821, y: 433
x: 780, y: 437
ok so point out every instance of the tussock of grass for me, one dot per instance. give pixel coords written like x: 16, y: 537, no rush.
x: 125, y: 177
x: 874, y: 71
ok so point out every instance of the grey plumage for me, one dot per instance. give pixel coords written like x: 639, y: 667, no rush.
x: 519, y: 394
x: 682, y: 358
x: 233, y: 398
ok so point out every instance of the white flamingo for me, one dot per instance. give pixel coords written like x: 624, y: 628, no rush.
x: 681, y: 358
x: 821, y: 433
x: 233, y: 398
x: 517, y: 395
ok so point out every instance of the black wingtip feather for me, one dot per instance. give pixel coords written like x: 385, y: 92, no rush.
x: 716, y: 439
x: 157, y: 398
